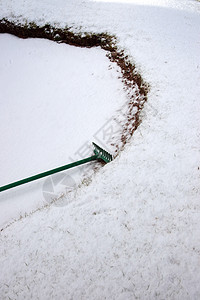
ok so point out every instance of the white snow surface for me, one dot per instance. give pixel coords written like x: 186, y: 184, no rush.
x: 134, y: 231
x: 53, y: 99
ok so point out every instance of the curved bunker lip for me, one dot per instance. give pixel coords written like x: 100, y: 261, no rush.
x: 135, y: 88
x: 134, y: 85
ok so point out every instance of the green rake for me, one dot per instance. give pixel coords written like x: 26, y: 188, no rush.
x: 99, y: 154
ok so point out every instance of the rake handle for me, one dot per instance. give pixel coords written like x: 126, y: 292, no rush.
x: 47, y: 173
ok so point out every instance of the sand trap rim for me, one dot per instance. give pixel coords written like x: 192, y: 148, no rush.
x: 130, y: 76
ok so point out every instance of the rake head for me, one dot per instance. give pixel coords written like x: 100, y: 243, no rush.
x: 102, y: 154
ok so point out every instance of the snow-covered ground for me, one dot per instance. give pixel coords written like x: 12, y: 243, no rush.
x: 54, y: 99
x: 133, y: 233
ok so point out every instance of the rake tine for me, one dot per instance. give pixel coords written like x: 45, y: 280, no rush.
x: 102, y: 154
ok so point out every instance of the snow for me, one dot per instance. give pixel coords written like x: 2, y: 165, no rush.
x: 133, y: 232
x: 49, y: 94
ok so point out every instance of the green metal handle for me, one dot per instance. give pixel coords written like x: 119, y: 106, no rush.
x: 47, y: 173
